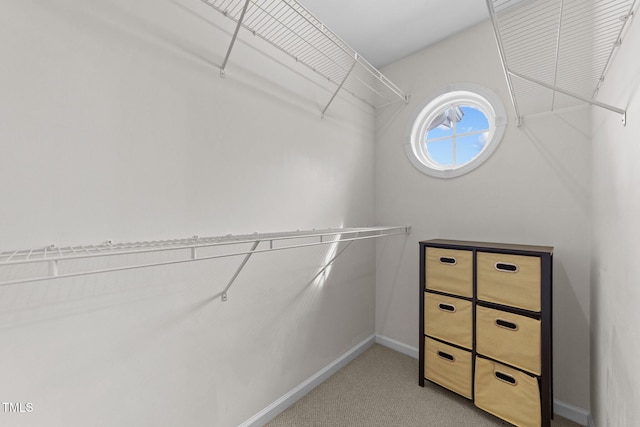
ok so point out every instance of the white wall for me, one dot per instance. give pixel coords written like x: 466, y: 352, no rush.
x: 116, y: 125
x: 533, y: 190
x: 615, y: 272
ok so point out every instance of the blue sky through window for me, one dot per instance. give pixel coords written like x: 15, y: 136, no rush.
x: 449, y: 146
x: 441, y: 151
x: 473, y: 120
x: 439, y: 132
x: 468, y: 147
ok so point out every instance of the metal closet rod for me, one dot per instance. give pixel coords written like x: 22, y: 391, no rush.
x: 52, y: 255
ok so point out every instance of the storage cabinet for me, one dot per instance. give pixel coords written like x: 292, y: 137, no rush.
x: 485, y: 326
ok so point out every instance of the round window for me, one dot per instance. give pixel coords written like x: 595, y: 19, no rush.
x: 456, y: 131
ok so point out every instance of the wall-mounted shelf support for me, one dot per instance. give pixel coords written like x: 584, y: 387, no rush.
x: 242, y: 264
x: 593, y: 102
x: 53, y: 268
x: 194, y: 250
x: 63, y: 262
x: 288, y: 26
x: 558, y: 47
x: 346, y: 76
x: 233, y: 38
x: 328, y: 263
x: 503, y: 62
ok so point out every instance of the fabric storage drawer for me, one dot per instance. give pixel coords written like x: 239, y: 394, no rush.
x: 448, y: 366
x: 449, y: 319
x: 512, y: 280
x: 508, y: 337
x: 450, y: 271
x: 507, y: 393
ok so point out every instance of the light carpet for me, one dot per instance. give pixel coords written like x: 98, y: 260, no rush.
x: 380, y: 389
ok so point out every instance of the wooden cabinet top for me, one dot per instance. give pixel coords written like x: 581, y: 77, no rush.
x: 488, y: 245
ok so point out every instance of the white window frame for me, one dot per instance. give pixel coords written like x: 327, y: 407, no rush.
x: 473, y: 95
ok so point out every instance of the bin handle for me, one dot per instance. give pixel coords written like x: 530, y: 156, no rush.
x: 449, y: 260
x: 506, y: 267
x: 446, y: 356
x: 449, y: 308
x: 509, y: 379
x: 506, y: 324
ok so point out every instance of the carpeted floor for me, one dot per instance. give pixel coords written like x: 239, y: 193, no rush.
x: 380, y: 389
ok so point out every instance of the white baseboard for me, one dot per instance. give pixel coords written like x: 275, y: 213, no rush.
x: 397, y: 346
x: 571, y: 412
x: 271, y: 411
x: 566, y: 410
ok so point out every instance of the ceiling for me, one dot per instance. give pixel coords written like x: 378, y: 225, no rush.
x: 383, y: 31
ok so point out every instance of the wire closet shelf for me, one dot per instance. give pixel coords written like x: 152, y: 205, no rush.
x: 53, y: 262
x: 556, y: 53
x: 294, y: 30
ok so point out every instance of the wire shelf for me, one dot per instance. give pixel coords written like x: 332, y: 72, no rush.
x: 294, y: 30
x: 556, y: 53
x: 183, y: 250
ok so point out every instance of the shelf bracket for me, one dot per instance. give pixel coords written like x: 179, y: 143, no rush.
x: 346, y: 76
x: 620, y: 111
x: 323, y: 269
x: 242, y: 264
x: 233, y: 39
x: 503, y: 62
x: 53, y: 268
x: 194, y: 249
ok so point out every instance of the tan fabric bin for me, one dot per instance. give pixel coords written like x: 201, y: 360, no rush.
x: 449, y: 319
x: 448, y: 366
x: 508, y: 337
x: 512, y: 280
x: 450, y: 271
x: 507, y: 393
